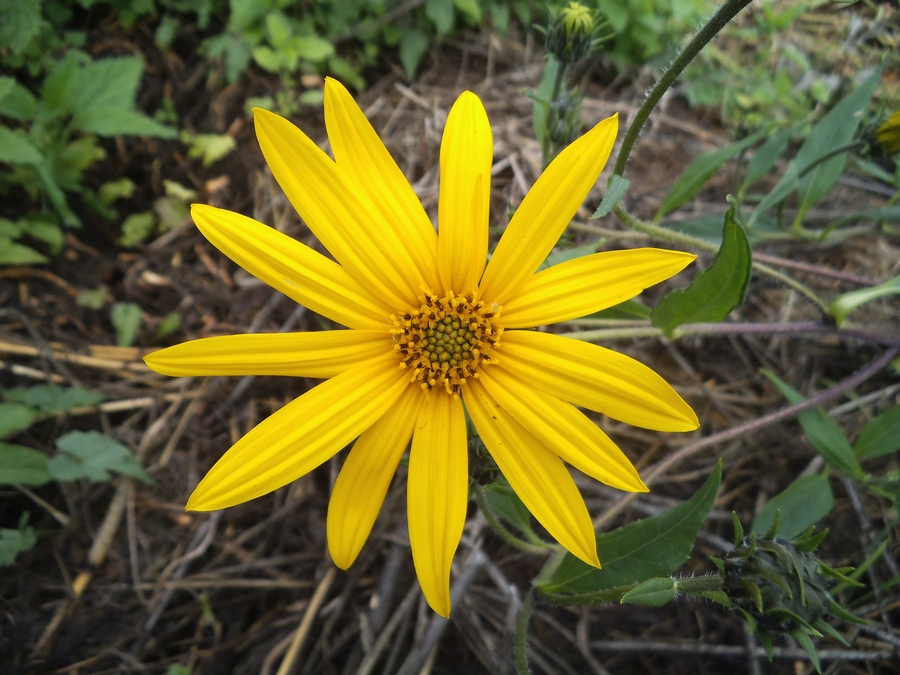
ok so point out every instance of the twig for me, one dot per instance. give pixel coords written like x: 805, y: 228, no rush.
x: 860, y: 376
x: 731, y: 651
x: 303, y: 629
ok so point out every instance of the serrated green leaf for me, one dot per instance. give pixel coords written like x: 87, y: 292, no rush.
x: 20, y: 21
x: 109, y: 122
x: 843, y: 305
x: 112, y: 191
x: 694, y: 177
x: 209, y: 147
x: 17, y: 102
x: 108, y: 85
x: 653, y: 592
x: 126, y: 319
x: 802, y: 504
x: 615, y: 190
x: 93, y: 455
x: 15, y: 417
x: 58, y: 90
x: 52, y: 398
x: 440, y: 13
x: 648, y: 548
x: 715, y: 291
x: 14, y: 542
x: 821, y: 431
x: 23, y: 466
x: 413, y: 46
x: 15, y: 148
x: 834, y: 130
x: 881, y: 436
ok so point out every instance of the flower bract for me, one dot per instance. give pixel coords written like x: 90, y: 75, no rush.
x: 434, y: 329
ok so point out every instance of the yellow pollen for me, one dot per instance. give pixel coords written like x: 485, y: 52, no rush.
x: 444, y: 341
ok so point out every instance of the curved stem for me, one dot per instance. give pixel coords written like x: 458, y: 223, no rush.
x: 522, y: 634
x: 717, y: 22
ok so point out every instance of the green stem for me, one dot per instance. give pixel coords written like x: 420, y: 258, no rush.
x: 717, y: 22
x: 663, y: 234
x: 505, y: 534
x: 522, y: 634
x: 828, y: 155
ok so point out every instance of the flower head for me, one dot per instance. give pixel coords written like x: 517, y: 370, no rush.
x: 432, y: 328
x: 888, y: 134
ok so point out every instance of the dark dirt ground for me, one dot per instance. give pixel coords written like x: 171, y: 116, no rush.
x: 225, y: 593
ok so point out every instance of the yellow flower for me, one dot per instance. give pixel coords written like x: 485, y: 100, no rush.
x: 888, y: 134
x: 431, y: 329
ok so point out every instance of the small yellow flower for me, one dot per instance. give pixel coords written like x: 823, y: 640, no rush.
x: 888, y: 134
x: 431, y: 329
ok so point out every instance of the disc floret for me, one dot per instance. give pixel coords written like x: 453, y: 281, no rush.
x: 446, y: 340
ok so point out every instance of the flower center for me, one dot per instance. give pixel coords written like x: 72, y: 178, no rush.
x: 444, y: 341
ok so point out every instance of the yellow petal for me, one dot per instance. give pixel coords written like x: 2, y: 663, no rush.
x: 537, y: 475
x: 546, y: 211
x: 366, y: 475
x: 437, y: 494
x: 467, y: 151
x: 361, y: 154
x: 563, y: 429
x: 596, y: 378
x: 339, y: 212
x: 588, y: 284
x: 302, y: 435
x: 296, y: 270
x: 314, y: 354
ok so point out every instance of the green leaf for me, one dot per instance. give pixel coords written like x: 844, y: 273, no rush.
x: 628, y: 310
x: 715, y: 291
x: 12, y: 253
x: 126, y: 319
x: 210, y: 147
x: 61, y: 83
x: 15, y: 148
x: 541, y: 108
x: 413, y: 46
x: 278, y: 29
x: 112, y: 191
x: 505, y: 504
x: 653, y: 592
x: 52, y: 398
x: 470, y: 9
x: 109, y: 122
x: 312, y: 47
x: 802, y: 504
x: 843, y: 305
x: 834, y: 130
x: 109, y: 84
x: 615, y: 190
x: 14, y: 542
x: 889, y: 214
x: 92, y: 298
x: 92, y: 455
x: 694, y: 177
x: 440, y: 13
x: 16, y: 101
x: 823, y: 433
x: 881, y: 436
x: 23, y: 466
x: 648, y: 548
x: 765, y: 157
x: 170, y: 323
x: 136, y: 228
x: 15, y: 417
x: 43, y: 227
x: 268, y: 59
x: 20, y: 21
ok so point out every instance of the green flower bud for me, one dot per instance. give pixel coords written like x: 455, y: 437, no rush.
x: 570, y: 33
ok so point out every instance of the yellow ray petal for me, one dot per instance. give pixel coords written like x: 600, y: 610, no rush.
x: 361, y: 154
x: 364, y: 479
x: 302, y: 435
x: 467, y: 151
x: 546, y: 211
x: 536, y: 474
x: 563, y: 429
x: 438, y: 486
x: 596, y: 378
x: 588, y: 284
x: 296, y: 270
x: 314, y: 354
x: 339, y: 212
